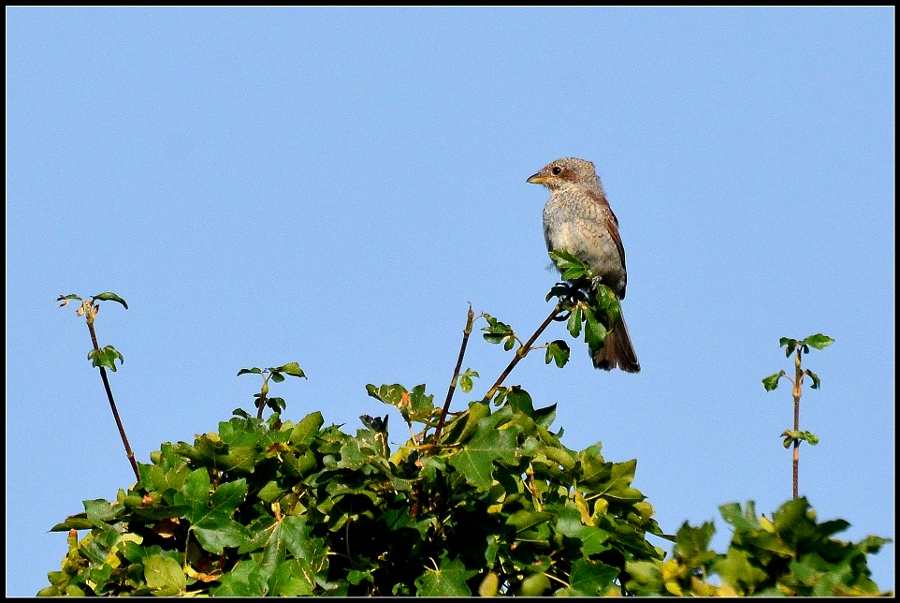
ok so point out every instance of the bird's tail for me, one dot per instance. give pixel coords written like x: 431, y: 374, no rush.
x: 617, y: 351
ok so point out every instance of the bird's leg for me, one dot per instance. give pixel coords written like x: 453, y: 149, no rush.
x: 596, y: 281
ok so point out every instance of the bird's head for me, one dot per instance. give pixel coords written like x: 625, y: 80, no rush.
x: 566, y: 172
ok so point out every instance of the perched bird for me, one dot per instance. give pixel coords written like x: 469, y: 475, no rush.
x: 578, y: 219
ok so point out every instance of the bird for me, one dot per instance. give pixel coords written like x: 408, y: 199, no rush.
x: 578, y: 219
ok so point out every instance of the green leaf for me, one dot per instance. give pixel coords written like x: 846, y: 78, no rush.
x: 560, y: 455
x: 559, y: 290
x: 790, y: 343
x: 798, y: 436
x: 277, y: 538
x: 108, y: 296
x: 465, y: 425
x: 447, y: 580
x: 389, y: 394
x: 293, y: 369
x: 789, y: 438
x: 520, y: 400
x: 645, y: 578
x: 97, y: 545
x: 164, y: 576
x: 106, y: 357
x: 211, y: 519
x: 816, y: 382
x: 74, y: 522
x: 356, y: 576
x: 692, y: 544
x: 575, y: 320
x: 303, y: 434
x: 570, y: 267
x: 421, y: 405
x: 745, y: 520
x: 558, y: 352
x: 524, y: 520
x: 595, y: 332
x: 490, y: 443
x: 594, y: 540
x: 245, y: 580
x: 738, y: 572
x: 100, y: 512
x: 607, y: 300
x: 291, y: 579
x: 498, y: 332
x: 253, y: 370
x: 819, y: 341
x: 591, y: 578
x: 617, y: 484
x: 65, y: 299
x: 771, y: 382
x: 465, y: 380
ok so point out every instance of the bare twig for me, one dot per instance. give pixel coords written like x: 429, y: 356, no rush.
x: 89, y: 314
x: 796, y: 392
x: 462, y: 351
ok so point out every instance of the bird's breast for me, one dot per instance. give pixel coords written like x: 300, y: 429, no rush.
x: 582, y: 231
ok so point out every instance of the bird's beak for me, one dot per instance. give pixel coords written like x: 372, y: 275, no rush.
x: 536, y: 179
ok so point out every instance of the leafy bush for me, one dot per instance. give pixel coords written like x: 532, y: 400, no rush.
x: 487, y: 502
x: 297, y: 509
x: 791, y: 554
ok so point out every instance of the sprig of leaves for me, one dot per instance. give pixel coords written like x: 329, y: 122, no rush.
x: 277, y: 375
x: 277, y: 508
x: 791, y: 554
x: 795, y: 436
x: 103, y: 358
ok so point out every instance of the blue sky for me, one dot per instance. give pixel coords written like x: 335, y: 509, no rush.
x: 333, y: 186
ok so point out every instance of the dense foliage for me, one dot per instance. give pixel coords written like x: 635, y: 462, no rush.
x: 500, y: 506
x: 484, y: 501
x: 288, y: 509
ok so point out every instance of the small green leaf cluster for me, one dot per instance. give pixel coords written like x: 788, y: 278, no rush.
x: 790, y: 436
x: 106, y: 296
x: 499, y: 505
x: 790, y: 555
x: 791, y: 346
x: 818, y: 341
x: 105, y: 357
x: 587, y: 306
x: 794, y: 437
x: 277, y: 375
x: 498, y: 332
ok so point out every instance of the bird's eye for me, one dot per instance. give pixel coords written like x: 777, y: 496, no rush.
x: 556, y: 170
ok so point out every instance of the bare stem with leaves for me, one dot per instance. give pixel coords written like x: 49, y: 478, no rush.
x: 103, y: 358
x: 470, y: 318
x: 795, y: 436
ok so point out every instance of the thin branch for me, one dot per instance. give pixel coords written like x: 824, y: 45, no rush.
x: 261, y: 402
x: 796, y: 391
x: 523, y: 351
x: 462, y: 352
x: 112, y: 404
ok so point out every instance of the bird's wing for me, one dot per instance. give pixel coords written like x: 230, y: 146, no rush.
x: 611, y: 222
